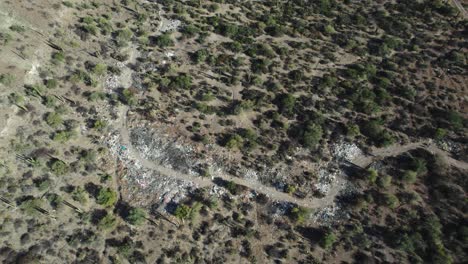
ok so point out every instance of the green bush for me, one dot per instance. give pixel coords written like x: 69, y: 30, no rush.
x: 372, y: 175
x: 290, y: 189
x: 100, y: 125
x: 440, y: 133
x: 100, y: 69
x: 136, y: 216
x: 63, y: 136
x: 123, y: 36
x: 80, y: 195
x: 234, y: 141
x: 418, y: 165
x: 128, y: 97
x: 182, y: 81
x: 17, y: 28
x: 384, y: 181
x: 410, y: 176
x: 286, y: 103
x: 58, y: 57
x: 54, y: 120
x: 328, y: 240
x: 106, y: 197
x: 200, y: 56
x: 390, y: 200
x: 182, y: 211
x: 6, y: 79
x: 51, y: 83
x: 5, y: 38
x: 299, y: 214
x: 352, y: 130
x: 108, y: 222
x: 164, y: 40
x: 312, y: 135
x: 58, y: 167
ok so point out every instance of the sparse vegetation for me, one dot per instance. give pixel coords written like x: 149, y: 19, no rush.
x: 233, y: 131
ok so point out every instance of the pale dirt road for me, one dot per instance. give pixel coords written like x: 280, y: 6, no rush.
x: 397, y: 149
x: 312, y: 203
x: 274, y: 194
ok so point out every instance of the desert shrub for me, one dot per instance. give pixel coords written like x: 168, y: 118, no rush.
x: 234, y: 141
x: 106, y: 197
x: 352, y: 130
x: 43, y: 184
x: 374, y: 130
x: 275, y: 30
x: 261, y: 65
x: 312, y: 135
x: 327, y: 241
x: 232, y: 187
x: 95, y: 96
x: 390, y: 200
x: 64, y: 135
x: 58, y: 57
x: 108, y: 222
x: 100, y: 69
x: 16, y: 99
x: 17, y: 28
x: 136, y: 216
x: 49, y: 101
x: 51, y: 83
x: 418, y: 165
x: 190, y: 31
x: 182, y: 211
x: 250, y: 139
x: 455, y: 120
x: 286, y: 103
x: 6, y: 79
x: 53, y: 119
x: 299, y: 214
x: 296, y: 75
x: 58, y: 167
x: 290, y: 189
x: 204, y: 108
x: 123, y: 36
x: 5, y: 38
x: 372, y: 175
x: 384, y: 181
x: 100, y: 125
x: 80, y: 195
x: 410, y: 176
x: 128, y: 97
x: 440, y: 133
x: 164, y: 40
x: 81, y: 76
x: 200, y: 56
x: 30, y: 205
x: 182, y: 81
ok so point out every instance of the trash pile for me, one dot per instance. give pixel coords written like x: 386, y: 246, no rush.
x: 170, y: 25
x: 145, y: 186
x: 345, y: 151
x: 326, y: 179
x: 164, y: 152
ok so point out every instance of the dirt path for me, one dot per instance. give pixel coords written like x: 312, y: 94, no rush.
x: 206, y: 182
x: 397, y: 149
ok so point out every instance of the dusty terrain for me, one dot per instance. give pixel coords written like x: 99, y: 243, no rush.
x: 236, y: 132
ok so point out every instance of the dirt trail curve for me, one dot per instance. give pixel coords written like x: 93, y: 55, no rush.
x: 206, y: 182
x: 397, y: 149
x: 461, y: 8
x: 312, y: 203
